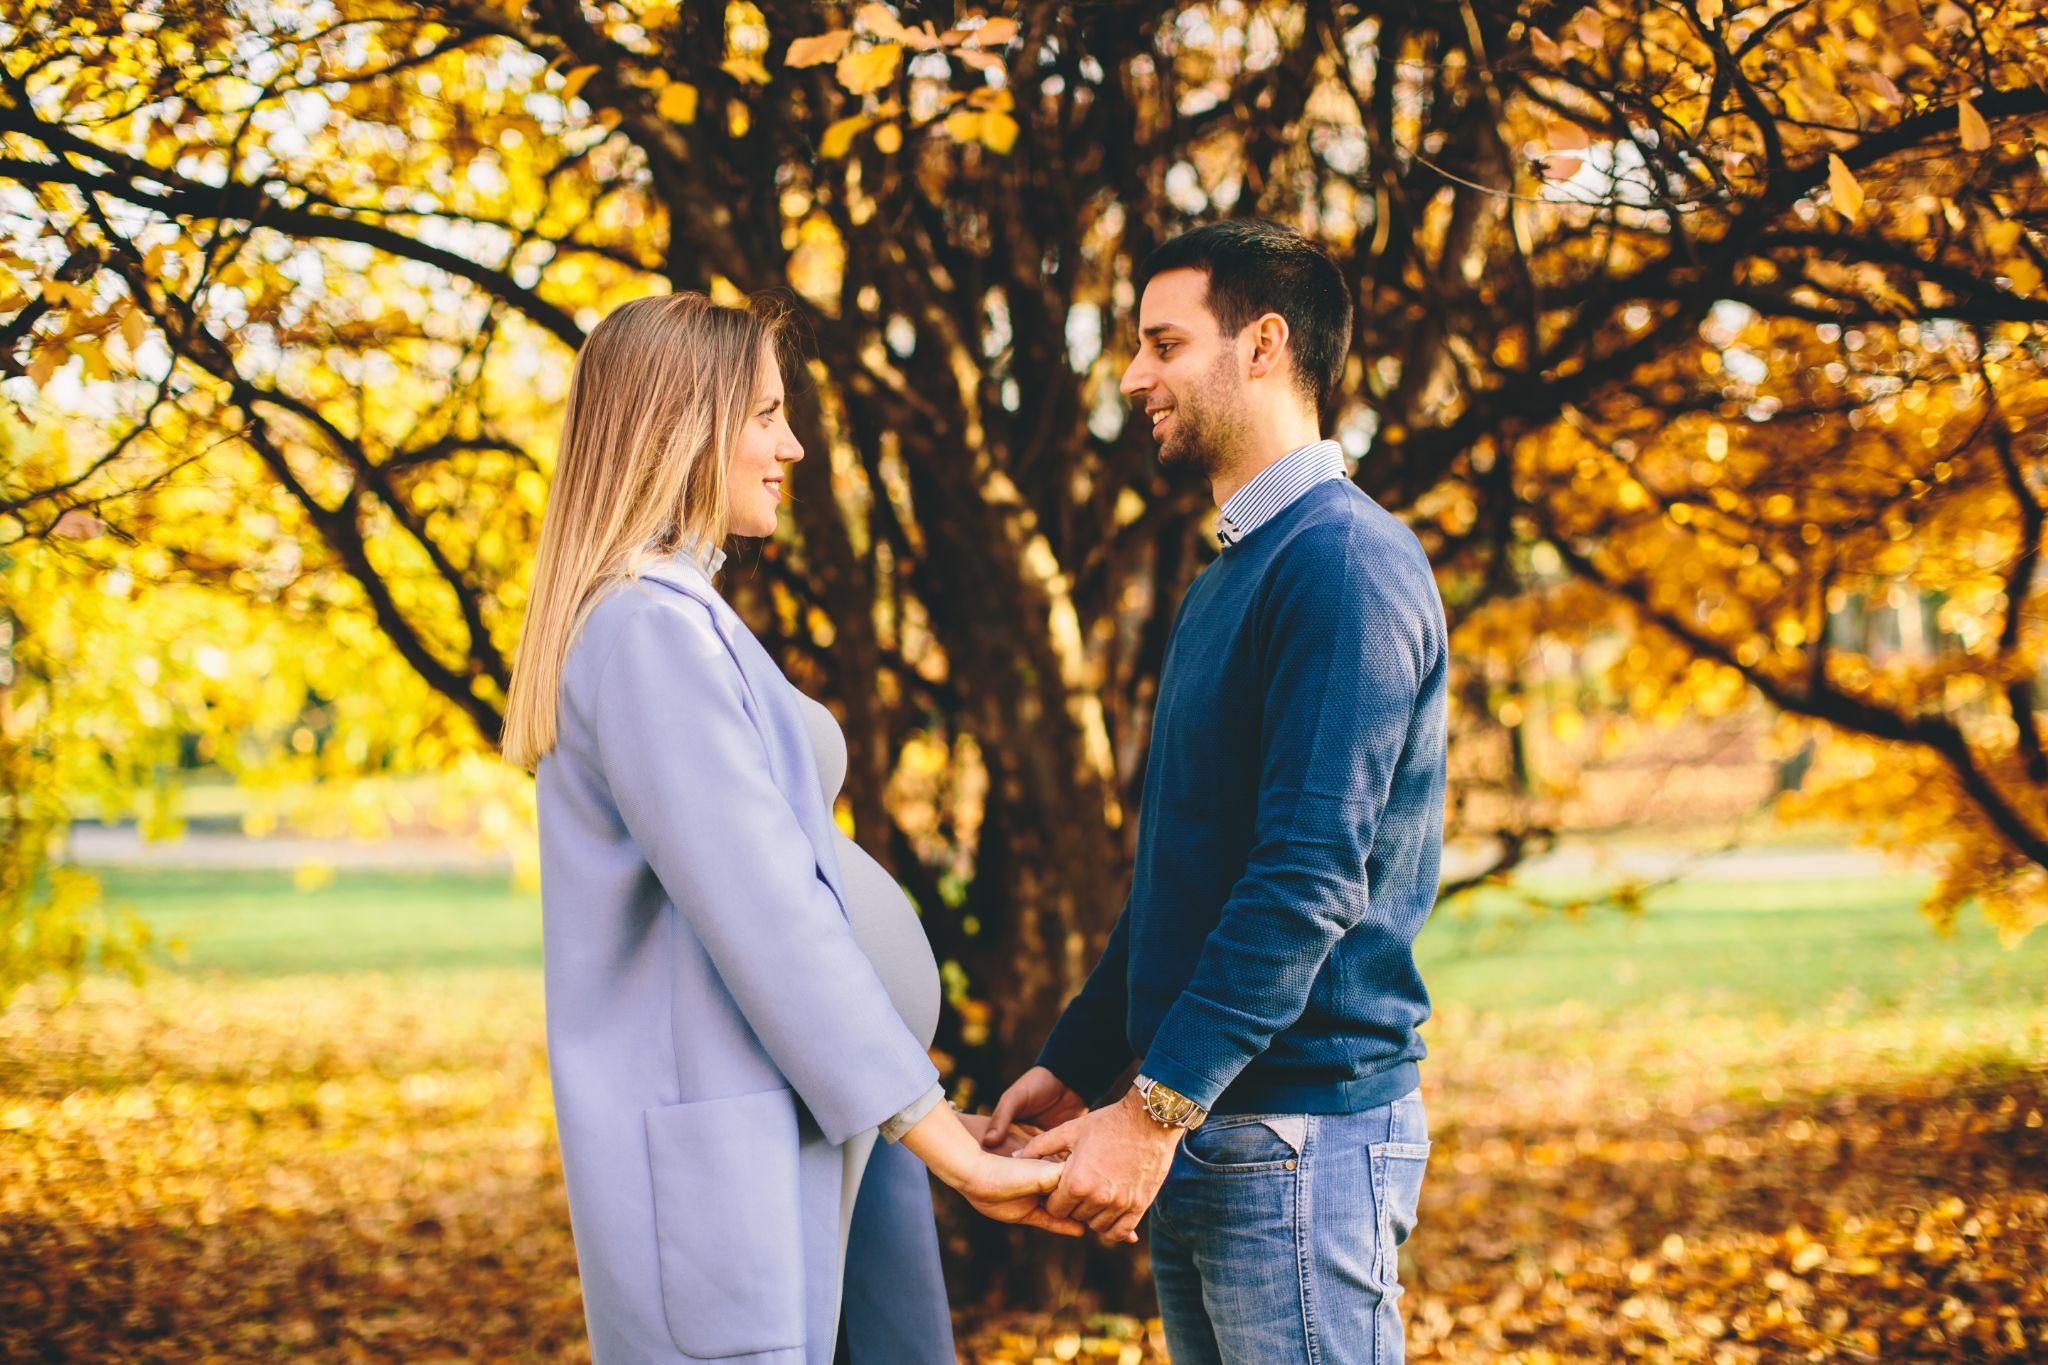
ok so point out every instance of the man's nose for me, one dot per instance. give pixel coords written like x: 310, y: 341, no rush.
x: 1137, y: 378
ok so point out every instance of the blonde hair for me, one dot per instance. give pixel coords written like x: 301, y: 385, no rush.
x: 661, y: 391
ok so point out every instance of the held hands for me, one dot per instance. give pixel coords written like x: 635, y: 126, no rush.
x: 1117, y: 1158
x: 1004, y: 1188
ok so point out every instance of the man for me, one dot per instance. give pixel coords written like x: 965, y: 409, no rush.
x: 1262, y: 972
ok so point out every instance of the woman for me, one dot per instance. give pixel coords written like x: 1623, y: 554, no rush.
x: 737, y: 997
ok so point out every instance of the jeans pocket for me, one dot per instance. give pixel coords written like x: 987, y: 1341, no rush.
x: 727, y: 1223
x: 1397, y: 1169
x: 1246, y: 1143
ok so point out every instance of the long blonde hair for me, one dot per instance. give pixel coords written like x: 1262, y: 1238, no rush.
x: 661, y: 391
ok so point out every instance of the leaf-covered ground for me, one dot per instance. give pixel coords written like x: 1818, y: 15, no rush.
x: 361, y: 1166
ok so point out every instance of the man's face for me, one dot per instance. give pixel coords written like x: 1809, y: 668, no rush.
x: 1186, y: 375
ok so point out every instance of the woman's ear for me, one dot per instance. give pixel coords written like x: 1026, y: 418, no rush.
x: 1269, y: 340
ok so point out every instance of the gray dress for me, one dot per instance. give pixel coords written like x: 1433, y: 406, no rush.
x: 886, y: 927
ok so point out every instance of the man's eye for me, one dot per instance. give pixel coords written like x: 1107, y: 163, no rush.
x: 1163, y: 347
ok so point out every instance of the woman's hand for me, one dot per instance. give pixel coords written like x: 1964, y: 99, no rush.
x: 1012, y: 1191
x: 979, y: 1127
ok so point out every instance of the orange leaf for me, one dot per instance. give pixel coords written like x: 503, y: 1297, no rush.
x: 1976, y: 133
x: 869, y: 70
x: 572, y: 84
x: 678, y: 102
x: 994, y: 33
x: 816, y: 51
x: 877, y: 19
x: 1848, y: 195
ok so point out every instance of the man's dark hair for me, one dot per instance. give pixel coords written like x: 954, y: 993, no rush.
x: 1257, y: 267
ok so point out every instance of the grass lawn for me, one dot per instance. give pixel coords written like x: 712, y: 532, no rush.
x: 1758, y: 1122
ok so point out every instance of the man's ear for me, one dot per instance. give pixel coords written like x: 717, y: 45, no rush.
x: 1268, y: 334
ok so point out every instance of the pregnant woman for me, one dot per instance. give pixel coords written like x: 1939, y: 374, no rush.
x: 739, y: 1001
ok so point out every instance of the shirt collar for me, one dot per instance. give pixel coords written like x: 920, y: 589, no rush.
x: 1275, y: 488
x: 691, y: 553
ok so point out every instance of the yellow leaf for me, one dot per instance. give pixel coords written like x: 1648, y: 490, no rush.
x: 678, y: 103
x: 839, y: 137
x: 2024, y: 275
x: 134, y: 328
x: 1976, y: 133
x: 816, y: 51
x: 748, y: 69
x: 889, y: 139
x: 1710, y: 11
x: 1848, y: 195
x: 994, y: 33
x: 44, y: 365
x: 997, y: 132
x: 988, y: 97
x: 572, y: 84
x: 871, y: 69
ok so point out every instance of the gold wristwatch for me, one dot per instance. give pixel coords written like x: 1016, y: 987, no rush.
x: 1167, y: 1106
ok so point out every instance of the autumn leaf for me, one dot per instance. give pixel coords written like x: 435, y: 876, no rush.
x: 820, y: 49
x: 1976, y: 133
x: 997, y: 132
x: 869, y: 70
x: 77, y: 524
x: 678, y: 102
x: 1710, y: 12
x: 134, y: 329
x: 877, y: 19
x: 572, y: 84
x: 994, y: 33
x: 1848, y: 195
x: 889, y: 139
x: 747, y: 70
x: 1547, y: 49
x: 838, y: 139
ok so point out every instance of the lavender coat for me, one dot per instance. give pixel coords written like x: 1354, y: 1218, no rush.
x: 714, y: 1032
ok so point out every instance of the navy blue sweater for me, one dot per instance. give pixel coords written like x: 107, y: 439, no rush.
x: 1292, y: 827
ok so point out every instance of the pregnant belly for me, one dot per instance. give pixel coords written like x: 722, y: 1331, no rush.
x: 886, y: 926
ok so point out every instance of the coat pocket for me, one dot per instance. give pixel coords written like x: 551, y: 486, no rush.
x: 727, y: 1221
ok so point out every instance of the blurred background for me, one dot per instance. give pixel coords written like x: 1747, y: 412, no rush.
x: 1704, y: 344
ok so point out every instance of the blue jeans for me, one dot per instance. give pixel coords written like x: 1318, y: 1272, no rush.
x: 1276, y: 1236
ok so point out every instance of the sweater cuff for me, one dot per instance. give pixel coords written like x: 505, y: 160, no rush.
x: 894, y: 1127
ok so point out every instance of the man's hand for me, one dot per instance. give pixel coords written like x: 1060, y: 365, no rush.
x: 1117, y: 1160
x: 1037, y: 1097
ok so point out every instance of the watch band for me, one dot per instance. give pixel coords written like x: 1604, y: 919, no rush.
x: 1167, y: 1106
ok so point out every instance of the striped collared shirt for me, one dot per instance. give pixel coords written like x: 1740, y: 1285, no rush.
x: 1275, y: 487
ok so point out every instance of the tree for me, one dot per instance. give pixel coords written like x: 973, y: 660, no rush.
x: 1695, y: 323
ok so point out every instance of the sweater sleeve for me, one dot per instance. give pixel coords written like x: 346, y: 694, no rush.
x: 1346, y: 642
x: 1090, y: 1044
x: 690, y: 774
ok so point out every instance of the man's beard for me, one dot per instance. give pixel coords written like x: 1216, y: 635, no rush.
x: 1206, y: 424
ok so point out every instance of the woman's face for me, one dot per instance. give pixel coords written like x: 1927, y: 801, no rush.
x: 761, y: 458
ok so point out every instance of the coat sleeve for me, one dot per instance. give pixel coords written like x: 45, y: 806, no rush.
x: 688, y: 769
